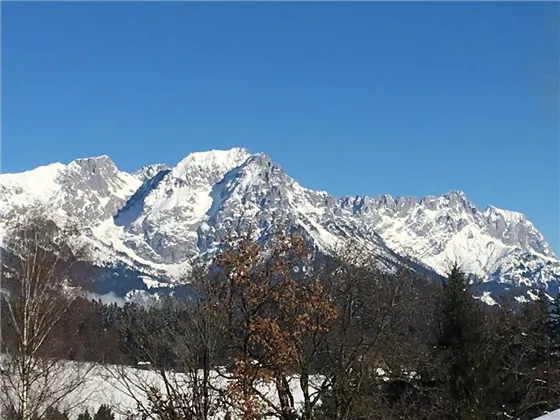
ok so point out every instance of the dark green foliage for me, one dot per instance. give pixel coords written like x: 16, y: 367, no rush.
x: 460, y: 318
x: 54, y: 414
x: 539, y: 311
x: 49, y: 414
x: 499, y: 360
x: 445, y: 355
x: 479, y: 347
x: 472, y: 361
x: 462, y: 338
x: 555, y: 326
x: 84, y: 416
x: 104, y: 413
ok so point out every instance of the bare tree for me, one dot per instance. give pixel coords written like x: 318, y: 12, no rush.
x: 374, y: 348
x: 177, y: 343
x: 40, y: 271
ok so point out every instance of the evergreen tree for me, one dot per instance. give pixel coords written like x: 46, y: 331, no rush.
x: 54, y: 414
x: 104, y: 413
x: 471, y: 379
x: 85, y: 415
x: 542, y: 330
x: 555, y: 326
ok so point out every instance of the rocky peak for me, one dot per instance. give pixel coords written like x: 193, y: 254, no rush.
x: 513, y: 228
x: 148, y: 172
x: 453, y: 200
x: 455, y: 195
x: 96, y: 165
x: 161, y: 218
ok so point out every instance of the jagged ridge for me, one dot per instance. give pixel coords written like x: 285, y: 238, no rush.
x: 159, y: 218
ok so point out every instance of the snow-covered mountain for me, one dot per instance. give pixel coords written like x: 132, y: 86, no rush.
x: 155, y: 221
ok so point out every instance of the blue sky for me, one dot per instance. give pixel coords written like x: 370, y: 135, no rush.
x: 352, y: 98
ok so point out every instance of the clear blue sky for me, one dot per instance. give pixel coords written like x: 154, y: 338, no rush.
x: 352, y: 98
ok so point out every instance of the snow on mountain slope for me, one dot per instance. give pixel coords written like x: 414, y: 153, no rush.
x: 159, y: 218
x: 442, y: 230
x: 164, y: 227
x: 91, y: 190
x: 31, y: 185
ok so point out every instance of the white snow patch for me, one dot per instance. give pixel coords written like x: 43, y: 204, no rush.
x: 486, y: 298
x: 38, y: 183
x: 223, y: 159
x: 554, y: 415
x: 151, y: 283
x: 104, y: 386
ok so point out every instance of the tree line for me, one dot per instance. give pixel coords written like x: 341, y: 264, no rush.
x: 268, y: 332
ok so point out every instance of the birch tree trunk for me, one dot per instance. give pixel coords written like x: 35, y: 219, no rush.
x: 37, y: 274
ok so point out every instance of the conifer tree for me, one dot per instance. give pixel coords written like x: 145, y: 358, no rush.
x: 104, y: 413
x: 555, y: 326
x: 542, y: 331
x: 85, y: 415
x: 55, y: 414
x: 470, y: 377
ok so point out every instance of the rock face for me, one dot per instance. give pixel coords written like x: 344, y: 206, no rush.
x: 156, y: 220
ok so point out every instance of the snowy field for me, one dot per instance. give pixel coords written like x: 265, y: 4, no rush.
x: 105, y: 385
x: 104, y: 388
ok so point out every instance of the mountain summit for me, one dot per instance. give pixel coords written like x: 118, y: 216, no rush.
x: 156, y: 220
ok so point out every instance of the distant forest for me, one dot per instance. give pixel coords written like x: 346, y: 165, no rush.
x: 362, y: 343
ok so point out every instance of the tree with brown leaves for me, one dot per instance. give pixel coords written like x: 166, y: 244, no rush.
x: 275, y: 307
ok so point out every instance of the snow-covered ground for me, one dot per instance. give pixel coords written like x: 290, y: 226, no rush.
x: 554, y: 415
x: 122, y: 388
x: 105, y: 385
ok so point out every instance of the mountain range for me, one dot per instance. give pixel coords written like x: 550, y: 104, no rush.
x: 146, y: 227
